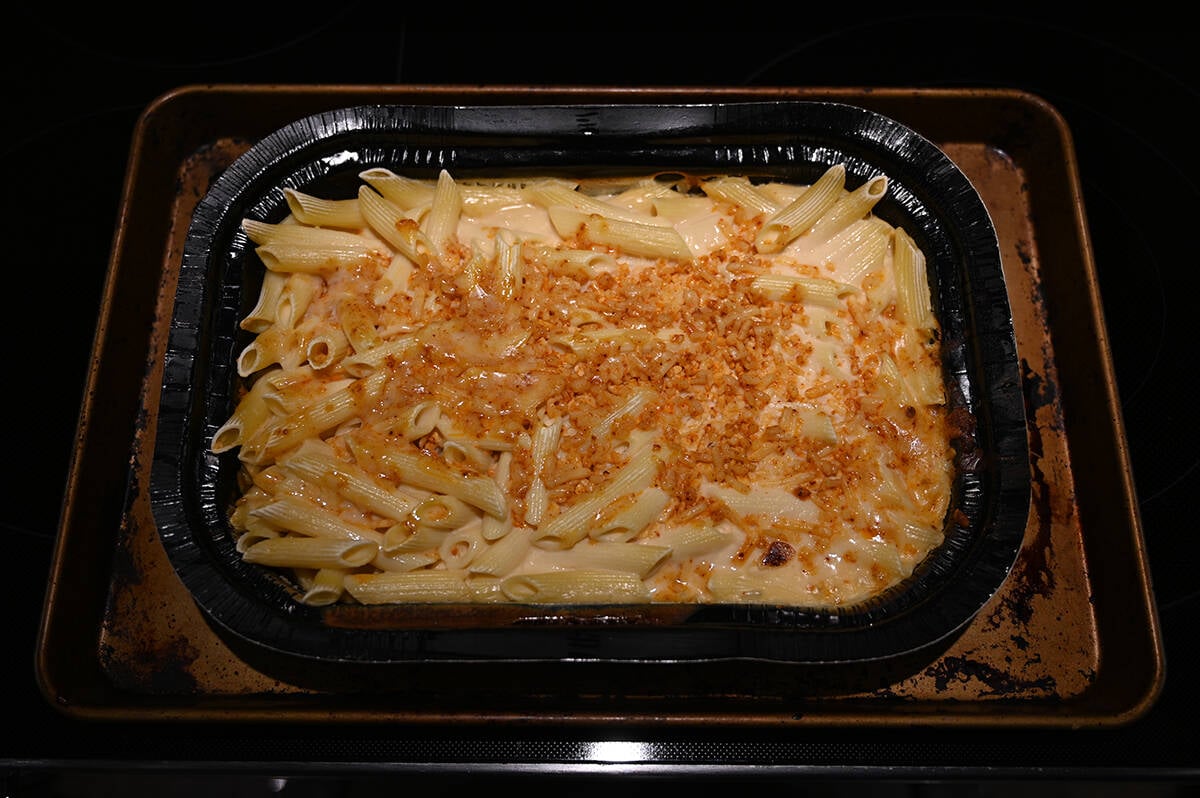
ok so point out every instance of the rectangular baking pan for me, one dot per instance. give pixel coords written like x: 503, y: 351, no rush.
x: 1071, y: 639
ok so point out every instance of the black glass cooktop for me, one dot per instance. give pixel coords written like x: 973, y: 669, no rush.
x: 1126, y: 87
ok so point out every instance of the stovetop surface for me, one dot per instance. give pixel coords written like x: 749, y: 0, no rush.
x: 1126, y: 87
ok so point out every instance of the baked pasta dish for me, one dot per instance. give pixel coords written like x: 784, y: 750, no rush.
x: 662, y: 388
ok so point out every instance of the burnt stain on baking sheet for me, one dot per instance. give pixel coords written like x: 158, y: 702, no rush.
x: 163, y: 671
x: 126, y: 568
x: 1033, y: 567
x: 143, y: 647
x: 995, y: 681
x: 158, y: 661
x: 1033, y: 575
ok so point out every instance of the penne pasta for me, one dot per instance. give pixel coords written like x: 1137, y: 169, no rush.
x: 393, y: 587
x: 622, y: 523
x: 805, y: 212
x: 265, y: 312
x: 912, y: 283
x: 429, y: 474
x: 850, y: 207
x: 626, y: 557
x: 317, y: 552
x: 621, y: 389
x: 305, y: 518
x: 799, y: 288
x: 503, y: 555
x: 440, y: 225
x: 635, y: 238
x: 742, y: 195
x: 394, y: 227
x: 322, y: 587
x: 574, y: 523
x: 309, y: 421
x: 404, y: 192
x: 321, y: 212
x: 578, y: 587
x: 316, y: 461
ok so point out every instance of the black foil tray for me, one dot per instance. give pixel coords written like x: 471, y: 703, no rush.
x: 191, y: 488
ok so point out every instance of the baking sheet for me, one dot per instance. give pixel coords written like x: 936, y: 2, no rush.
x: 1070, y: 639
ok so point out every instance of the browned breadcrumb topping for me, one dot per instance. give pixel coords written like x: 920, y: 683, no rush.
x: 728, y: 377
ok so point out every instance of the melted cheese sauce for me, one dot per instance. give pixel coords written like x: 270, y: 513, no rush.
x: 806, y: 436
